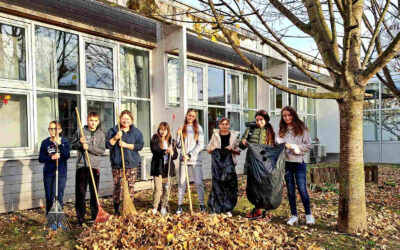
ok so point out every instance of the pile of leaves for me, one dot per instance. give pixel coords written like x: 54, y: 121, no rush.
x: 185, y: 231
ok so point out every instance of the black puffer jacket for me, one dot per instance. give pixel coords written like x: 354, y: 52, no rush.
x: 157, y: 162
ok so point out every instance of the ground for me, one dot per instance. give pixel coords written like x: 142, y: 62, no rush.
x: 26, y: 230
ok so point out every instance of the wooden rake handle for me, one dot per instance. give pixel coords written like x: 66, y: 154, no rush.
x: 87, y: 154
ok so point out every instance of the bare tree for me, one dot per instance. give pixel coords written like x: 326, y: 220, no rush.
x: 355, y: 41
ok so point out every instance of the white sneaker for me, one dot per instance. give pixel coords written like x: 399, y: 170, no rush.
x: 163, y: 211
x: 310, y: 220
x: 292, y: 220
x: 229, y: 214
x: 154, y: 211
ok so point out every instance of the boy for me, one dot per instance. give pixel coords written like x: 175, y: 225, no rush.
x: 54, y: 149
x: 94, y: 143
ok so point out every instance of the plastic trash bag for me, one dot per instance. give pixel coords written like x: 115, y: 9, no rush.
x: 265, y: 175
x: 224, y: 193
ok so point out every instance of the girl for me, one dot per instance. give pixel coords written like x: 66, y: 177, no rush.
x: 53, y: 149
x: 223, y: 138
x: 194, y: 142
x: 262, y: 133
x: 162, y: 149
x: 131, y: 140
x: 294, y: 133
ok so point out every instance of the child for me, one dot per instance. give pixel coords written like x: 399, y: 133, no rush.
x: 194, y: 142
x: 294, y: 133
x: 130, y: 139
x: 94, y: 143
x: 162, y: 149
x: 223, y: 196
x: 263, y: 133
x: 53, y: 149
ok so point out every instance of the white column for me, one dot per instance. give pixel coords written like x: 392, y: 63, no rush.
x: 183, y: 70
x: 285, y: 82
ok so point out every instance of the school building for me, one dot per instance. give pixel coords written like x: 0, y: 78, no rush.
x: 56, y: 55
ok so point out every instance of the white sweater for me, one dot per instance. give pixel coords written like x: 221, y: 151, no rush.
x: 300, y: 145
x: 192, y: 147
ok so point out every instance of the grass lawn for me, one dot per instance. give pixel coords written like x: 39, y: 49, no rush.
x: 26, y: 230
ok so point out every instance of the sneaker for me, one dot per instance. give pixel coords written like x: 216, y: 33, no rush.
x: 179, y: 210
x: 255, y: 213
x: 202, y: 208
x: 292, y: 220
x: 229, y: 214
x: 163, y: 211
x: 154, y: 211
x: 310, y: 219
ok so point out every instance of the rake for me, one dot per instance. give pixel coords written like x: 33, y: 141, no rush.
x: 127, y: 207
x: 56, y: 217
x: 187, y: 171
x: 102, y: 216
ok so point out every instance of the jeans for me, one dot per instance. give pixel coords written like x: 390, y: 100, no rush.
x: 297, y: 171
x: 198, y: 181
x: 50, y: 189
x: 82, y: 179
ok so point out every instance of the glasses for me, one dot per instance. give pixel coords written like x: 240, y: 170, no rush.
x: 54, y: 129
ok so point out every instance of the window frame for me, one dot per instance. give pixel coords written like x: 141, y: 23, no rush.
x: 205, y: 83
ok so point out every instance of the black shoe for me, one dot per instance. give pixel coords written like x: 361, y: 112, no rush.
x: 202, y: 208
x: 116, y: 208
x: 179, y: 210
x: 80, y: 222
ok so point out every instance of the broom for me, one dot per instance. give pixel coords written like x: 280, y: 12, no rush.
x: 187, y: 170
x: 169, y: 182
x: 127, y: 207
x: 56, y: 217
x: 102, y: 216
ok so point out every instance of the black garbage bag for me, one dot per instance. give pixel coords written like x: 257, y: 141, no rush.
x: 224, y: 192
x: 265, y: 175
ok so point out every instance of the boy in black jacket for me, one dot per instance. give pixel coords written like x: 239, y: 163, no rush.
x: 49, y: 154
x: 95, y: 145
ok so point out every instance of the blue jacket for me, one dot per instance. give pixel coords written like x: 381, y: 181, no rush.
x: 47, y: 149
x: 132, y: 157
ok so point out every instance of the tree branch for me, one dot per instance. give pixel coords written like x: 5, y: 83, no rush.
x: 329, y: 95
x: 382, y: 59
x: 375, y: 34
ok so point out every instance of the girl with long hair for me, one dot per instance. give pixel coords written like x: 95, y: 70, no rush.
x: 260, y: 133
x: 130, y: 139
x: 294, y: 133
x: 193, y: 140
x: 164, y: 152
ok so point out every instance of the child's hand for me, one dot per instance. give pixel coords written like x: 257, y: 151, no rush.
x: 118, y: 135
x: 179, y: 130
x: 170, y: 150
x: 244, y: 142
x: 229, y: 148
x: 85, y: 146
x: 55, y: 156
x: 211, y: 149
x: 185, y: 157
x: 288, y: 146
x: 124, y: 144
x: 83, y: 141
x: 58, y: 140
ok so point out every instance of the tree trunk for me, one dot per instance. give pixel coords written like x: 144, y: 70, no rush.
x: 352, y: 217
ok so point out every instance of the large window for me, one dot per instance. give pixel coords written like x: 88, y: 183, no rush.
x: 141, y: 114
x: 14, y: 120
x: 195, y: 83
x: 233, y: 89
x: 134, y: 74
x: 99, y: 66
x: 214, y: 115
x: 57, y: 59
x: 106, y: 112
x: 381, y: 114
x: 12, y: 52
x: 216, y: 86
x: 173, y: 82
x: 57, y: 106
x: 249, y: 92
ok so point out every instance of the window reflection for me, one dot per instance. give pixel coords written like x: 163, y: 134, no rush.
x: 216, y: 86
x: 106, y: 112
x: 195, y: 83
x: 57, y: 59
x: 233, y: 89
x: 12, y: 52
x: 99, y: 66
x: 214, y: 115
